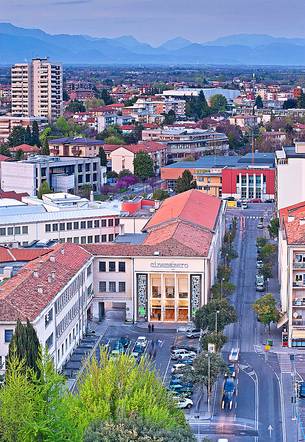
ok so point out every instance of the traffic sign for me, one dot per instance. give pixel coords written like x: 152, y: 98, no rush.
x: 267, y: 347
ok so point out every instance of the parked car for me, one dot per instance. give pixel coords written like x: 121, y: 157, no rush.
x: 259, y: 264
x: 182, y: 354
x: 244, y: 205
x: 228, y: 392
x: 232, y: 370
x: 184, y: 402
x: 137, y: 350
x: 125, y: 341
x: 118, y: 348
x: 181, y: 389
x: 260, y: 283
x: 260, y: 224
x: 142, y: 340
x: 301, y: 389
x: 234, y: 355
x: 182, y: 366
x: 195, y: 333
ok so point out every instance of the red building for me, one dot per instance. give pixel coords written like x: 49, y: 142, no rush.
x: 248, y: 183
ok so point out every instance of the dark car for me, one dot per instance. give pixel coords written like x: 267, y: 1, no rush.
x: 125, y: 341
x: 228, y: 392
x: 301, y: 390
x: 181, y: 389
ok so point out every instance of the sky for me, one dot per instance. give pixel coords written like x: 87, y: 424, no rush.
x: 155, y: 21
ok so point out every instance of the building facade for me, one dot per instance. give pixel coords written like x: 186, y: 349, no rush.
x: 8, y: 122
x: 37, y: 89
x: 75, y: 147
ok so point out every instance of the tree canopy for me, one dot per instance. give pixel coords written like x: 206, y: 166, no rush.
x: 43, y: 189
x: 205, y: 316
x: 207, y: 368
x: 103, y: 157
x: 75, y: 106
x: 218, y: 103
x: 143, y: 165
x: 259, y: 102
x: 197, y: 107
x: 185, y: 182
x: 266, y: 310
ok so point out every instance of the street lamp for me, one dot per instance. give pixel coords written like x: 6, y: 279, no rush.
x: 221, y: 287
x: 216, y: 321
x: 209, y: 380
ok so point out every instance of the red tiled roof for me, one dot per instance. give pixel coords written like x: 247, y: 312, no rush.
x: 145, y: 146
x: 19, y: 296
x: 9, y: 255
x: 12, y: 195
x: 4, y: 158
x: 192, y: 206
x: 26, y: 148
x: 292, y: 218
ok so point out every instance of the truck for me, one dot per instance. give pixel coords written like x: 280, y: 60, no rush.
x: 228, y: 392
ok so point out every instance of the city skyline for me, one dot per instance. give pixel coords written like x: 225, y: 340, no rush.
x: 141, y: 18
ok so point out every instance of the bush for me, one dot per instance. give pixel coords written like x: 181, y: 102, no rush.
x: 219, y: 339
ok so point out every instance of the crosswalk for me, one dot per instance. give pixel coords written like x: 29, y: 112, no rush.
x: 284, y: 362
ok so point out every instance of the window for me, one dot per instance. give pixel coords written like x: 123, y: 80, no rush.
x: 17, y: 230
x: 94, y: 177
x: 102, y: 286
x: 70, y: 339
x: 90, y: 239
x: 104, y: 238
x: 110, y: 237
x: 80, y: 179
x: 48, y: 317
x: 62, y: 226
x: 62, y: 349
x: 122, y: 286
x: 104, y: 222
x: 111, y: 266
x: 55, y: 227
x: 2, y: 231
x: 110, y: 222
x: 49, y: 341
x: 10, y: 230
x: 97, y: 223
x: 117, y: 221
x: 102, y: 266
x: 69, y: 226
x: 83, y: 240
x: 122, y: 266
x: 69, y: 239
x: 97, y: 238
x: 88, y: 178
x: 25, y: 230
x: 112, y: 286
x: 87, y: 167
x: 8, y: 334
x: 76, y: 225
x: 89, y: 270
x: 89, y: 224
x: 83, y: 224
x: 94, y: 166
x: 76, y: 240
x: 80, y: 168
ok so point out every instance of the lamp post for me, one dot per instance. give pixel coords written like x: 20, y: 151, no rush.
x: 216, y: 321
x: 221, y: 287
x: 209, y: 380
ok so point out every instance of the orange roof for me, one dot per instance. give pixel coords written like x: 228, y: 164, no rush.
x: 292, y: 218
x: 148, y: 146
x: 193, y: 206
x: 173, y: 173
x: 19, y: 295
x: 10, y: 255
x: 4, y: 158
x: 26, y: 148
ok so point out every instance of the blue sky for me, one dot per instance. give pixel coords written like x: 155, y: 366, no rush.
x: 154, y: 21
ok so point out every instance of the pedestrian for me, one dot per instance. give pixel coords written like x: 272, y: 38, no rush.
x: 159, y: 316
x: 149, y: 328
x: 152, y: 327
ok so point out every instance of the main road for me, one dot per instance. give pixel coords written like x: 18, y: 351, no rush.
x: 257, y: 414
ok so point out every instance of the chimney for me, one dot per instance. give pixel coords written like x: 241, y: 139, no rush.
x: 52, y: 258
x: 40, y: 289
x: 49, y: 278
x: 35, y: 274
x: 53, y: 274
x: 62, y: 251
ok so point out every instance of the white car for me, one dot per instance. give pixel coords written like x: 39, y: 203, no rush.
x: 234, y: 355
x: 184, y: 402
x: 179, y: 367
x: 142, y: 341
x: 182, y: 354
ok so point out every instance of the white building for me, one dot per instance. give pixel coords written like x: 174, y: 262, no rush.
x: 54, y: 292
x: 290, y: 175
x: 58, y: 217
x: 63, y: 174
x: 37, y: 89
x: 230, y: 94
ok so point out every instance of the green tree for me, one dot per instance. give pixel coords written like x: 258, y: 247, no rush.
x: 218, y: 103
x: 93, y: 103
x: 207, y: 316
x: 130, y: 102
x: 261, y: 241
x: 259, y: 102
x: 124, y: 172
x: 197, y: 107
x: 301, y: 101
x: 134, y: 429
x: 103, y: 157
x: 291, y: 103
x: 28, y: 135
x: 105, y: 96
x: 185, y: 182
x: 143, y: 165
x: 265, y: 308
x: 19, y: 155
x: 267, y: 252
x: 218, y: 339
x: 25, y: 346
x: 85, y: 191
x: 273, y: 227
x: 4, y: 150
x: 112, y: 174
x: 75, y: 106
x: 45, y: 134
x: 44, y: 188
x: 170, y: 117
x: 222, y: 288
x: 160, y: 194
x: 35, y: 134
x: 207, y: 368
x: 266, y: 270
x: 45, y: 149
x: 114, y: 139
x: 17, y: 136
x: 62, y: 126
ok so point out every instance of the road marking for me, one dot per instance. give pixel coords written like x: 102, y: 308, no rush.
x: 282, y: 406
x: 167, y: 367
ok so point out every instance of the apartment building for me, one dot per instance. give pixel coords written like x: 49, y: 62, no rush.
x: 290, y: 175
x: 158, y: 106
x: 74, y: 147
x: 54, y: 292
x: 292, y: 274
x: 63, y: 174
x: 37, y: 89
x: 122, y: 156
x: 8, y: 122
x: 57, y: 218
x: 229, y: 94
x: 183, y: 142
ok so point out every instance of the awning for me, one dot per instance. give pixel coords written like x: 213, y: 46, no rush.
x: 298, y: 334
x: 282, y: 321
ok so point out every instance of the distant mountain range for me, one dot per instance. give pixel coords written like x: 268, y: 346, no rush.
x: 20, y: 44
